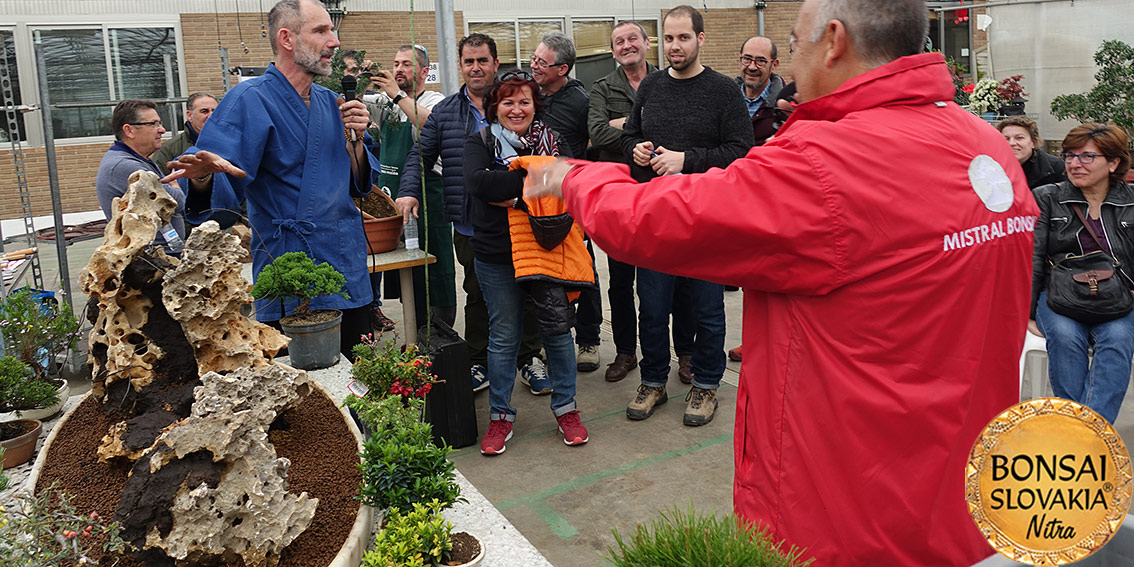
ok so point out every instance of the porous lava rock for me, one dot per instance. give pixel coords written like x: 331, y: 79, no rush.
x: 206, y: 485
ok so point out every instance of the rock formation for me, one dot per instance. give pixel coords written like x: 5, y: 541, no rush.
x: 206, y: 486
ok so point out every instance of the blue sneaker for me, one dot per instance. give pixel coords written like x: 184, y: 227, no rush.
x: 479, y: 377
x: 534, y: 376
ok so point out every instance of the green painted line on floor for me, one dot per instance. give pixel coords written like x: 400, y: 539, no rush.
x: 537, y: 501
x: 556, y: 523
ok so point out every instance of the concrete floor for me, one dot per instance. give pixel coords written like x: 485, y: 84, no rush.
x: 566, y: 500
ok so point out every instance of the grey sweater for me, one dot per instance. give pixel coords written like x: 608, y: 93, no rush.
x: 112, y: 181
x: 703, y: 116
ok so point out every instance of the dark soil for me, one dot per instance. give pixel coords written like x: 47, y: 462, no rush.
x: 14, y: 429
x: 310, y: 317
x: 377, y: 204
x: 465, y: 548
x: 323, y: 458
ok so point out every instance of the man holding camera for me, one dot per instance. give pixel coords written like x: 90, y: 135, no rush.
x: 399, y: 117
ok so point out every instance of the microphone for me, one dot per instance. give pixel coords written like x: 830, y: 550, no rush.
x: 350, y: 85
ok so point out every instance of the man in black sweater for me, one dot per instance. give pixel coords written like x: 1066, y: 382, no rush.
x: 686, y: 119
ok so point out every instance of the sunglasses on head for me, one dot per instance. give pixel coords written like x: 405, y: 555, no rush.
x: 522, y: 75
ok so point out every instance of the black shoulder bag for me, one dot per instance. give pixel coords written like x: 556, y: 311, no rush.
x: 1088, y: 288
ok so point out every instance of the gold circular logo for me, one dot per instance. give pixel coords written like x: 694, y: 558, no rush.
x: 1048, y: 482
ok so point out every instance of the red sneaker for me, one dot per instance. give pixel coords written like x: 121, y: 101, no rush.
x: 499, y: 432
x: 572, y: 429
x: 734, y: 354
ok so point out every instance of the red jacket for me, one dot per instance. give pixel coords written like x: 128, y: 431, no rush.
x: 884, y: 312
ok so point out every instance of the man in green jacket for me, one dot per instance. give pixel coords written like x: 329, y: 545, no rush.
x: 199, y: 108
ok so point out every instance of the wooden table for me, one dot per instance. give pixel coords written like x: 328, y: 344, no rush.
x: 403, y: 261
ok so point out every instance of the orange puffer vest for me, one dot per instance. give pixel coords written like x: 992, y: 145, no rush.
x: 568, y: 263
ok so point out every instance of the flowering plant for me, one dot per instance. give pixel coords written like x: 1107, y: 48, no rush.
x: 1011, y: 89
x: 389, y: 370
x: 985, y: 96
x: 46, y: 530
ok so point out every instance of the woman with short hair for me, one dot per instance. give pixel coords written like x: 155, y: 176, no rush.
x: 1039, y: 166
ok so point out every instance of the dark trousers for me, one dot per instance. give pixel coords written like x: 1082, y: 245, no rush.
x: 588, y: 314
x: 624, y: 316
x: 476, y: 313
x: 656, y: 293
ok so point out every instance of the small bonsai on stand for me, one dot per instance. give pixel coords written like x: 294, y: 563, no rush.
x: 314, y: 334
x: 296, y: 276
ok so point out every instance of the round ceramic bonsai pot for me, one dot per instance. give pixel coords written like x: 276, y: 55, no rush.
x: 64, y: 392
x: 19, y: 449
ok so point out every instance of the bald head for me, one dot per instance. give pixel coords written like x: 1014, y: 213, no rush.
x: 757, y: 63
x: 880, y: 31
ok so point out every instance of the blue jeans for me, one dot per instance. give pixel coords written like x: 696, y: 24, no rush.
x: 505, y: 301
x: 1101, y: 385
x: 655, y: 303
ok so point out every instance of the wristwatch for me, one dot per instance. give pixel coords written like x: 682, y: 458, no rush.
x: 399, y: 96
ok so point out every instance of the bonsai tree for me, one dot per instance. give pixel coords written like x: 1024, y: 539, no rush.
x: 46, y: 530
x: 36, y: 329
x: 19, y: 390
x: 1112, y: 99
x: 295, y: 275
x: 417, y: 537
x: 401, y: 467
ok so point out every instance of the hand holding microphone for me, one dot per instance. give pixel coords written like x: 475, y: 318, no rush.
x: 355, y: 116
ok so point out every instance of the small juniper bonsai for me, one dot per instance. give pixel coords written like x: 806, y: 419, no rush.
x: 295, y: 275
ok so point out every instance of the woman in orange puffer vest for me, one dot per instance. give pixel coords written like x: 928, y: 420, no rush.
x: 540, y: 256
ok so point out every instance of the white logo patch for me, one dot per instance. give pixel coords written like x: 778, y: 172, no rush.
x: 991, y: 183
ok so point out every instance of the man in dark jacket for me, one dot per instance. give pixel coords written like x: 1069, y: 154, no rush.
x: 565, y: 110
x: 198, y: 109
x: 760, y: 85
x: 443, y: 135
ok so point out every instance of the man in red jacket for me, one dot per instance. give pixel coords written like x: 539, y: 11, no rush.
x: 884, y: 240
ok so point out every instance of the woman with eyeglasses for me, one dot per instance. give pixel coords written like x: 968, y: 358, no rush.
x: 1040, y: 167
x: 1097, y: 158
x: 495, y: 181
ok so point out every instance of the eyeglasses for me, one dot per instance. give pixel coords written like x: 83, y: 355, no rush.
x: 537, y: 62
x: 758, y: 61
x: 150, y: 123
x: 1085, y: 158
x: 522, y: 75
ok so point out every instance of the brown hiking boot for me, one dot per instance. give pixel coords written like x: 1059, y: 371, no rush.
x: 647, y: 400
x: 685, y: 369
x: 701, y: 407
x: 622, y: 365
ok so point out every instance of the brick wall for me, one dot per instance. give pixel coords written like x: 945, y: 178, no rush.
x: 77, y: 166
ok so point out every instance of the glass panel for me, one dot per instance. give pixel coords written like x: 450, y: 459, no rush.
x: 531, y: 31
x: 76, y: 72
x: 8, y: 52
x: 651, y: 27
x: 592, y: 38
x: 138, y: 59
x: 504, y: 34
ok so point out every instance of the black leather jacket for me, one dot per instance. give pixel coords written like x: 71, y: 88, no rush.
x: 1058, y: 227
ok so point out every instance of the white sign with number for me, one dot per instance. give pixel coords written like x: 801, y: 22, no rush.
x: 434, y: 70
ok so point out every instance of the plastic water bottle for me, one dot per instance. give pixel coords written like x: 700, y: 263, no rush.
x: 172, y: 239
x: 411, y: 235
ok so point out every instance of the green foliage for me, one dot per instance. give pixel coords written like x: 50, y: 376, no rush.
x: 3, y: 482
x: 19, y: 390
x: 389, y: 413
x: 401, y: 467
x: 1112, y: 98
x: 334, y: 81
x: 36, y: 331
x: 47, y: 531
x: 680, y: 539
x: 416, y: 538
x: 957, y: 73
x: 295, y: 275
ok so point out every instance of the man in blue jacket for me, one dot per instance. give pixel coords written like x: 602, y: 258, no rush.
x: 278, y: 141
x: 452, y: 121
